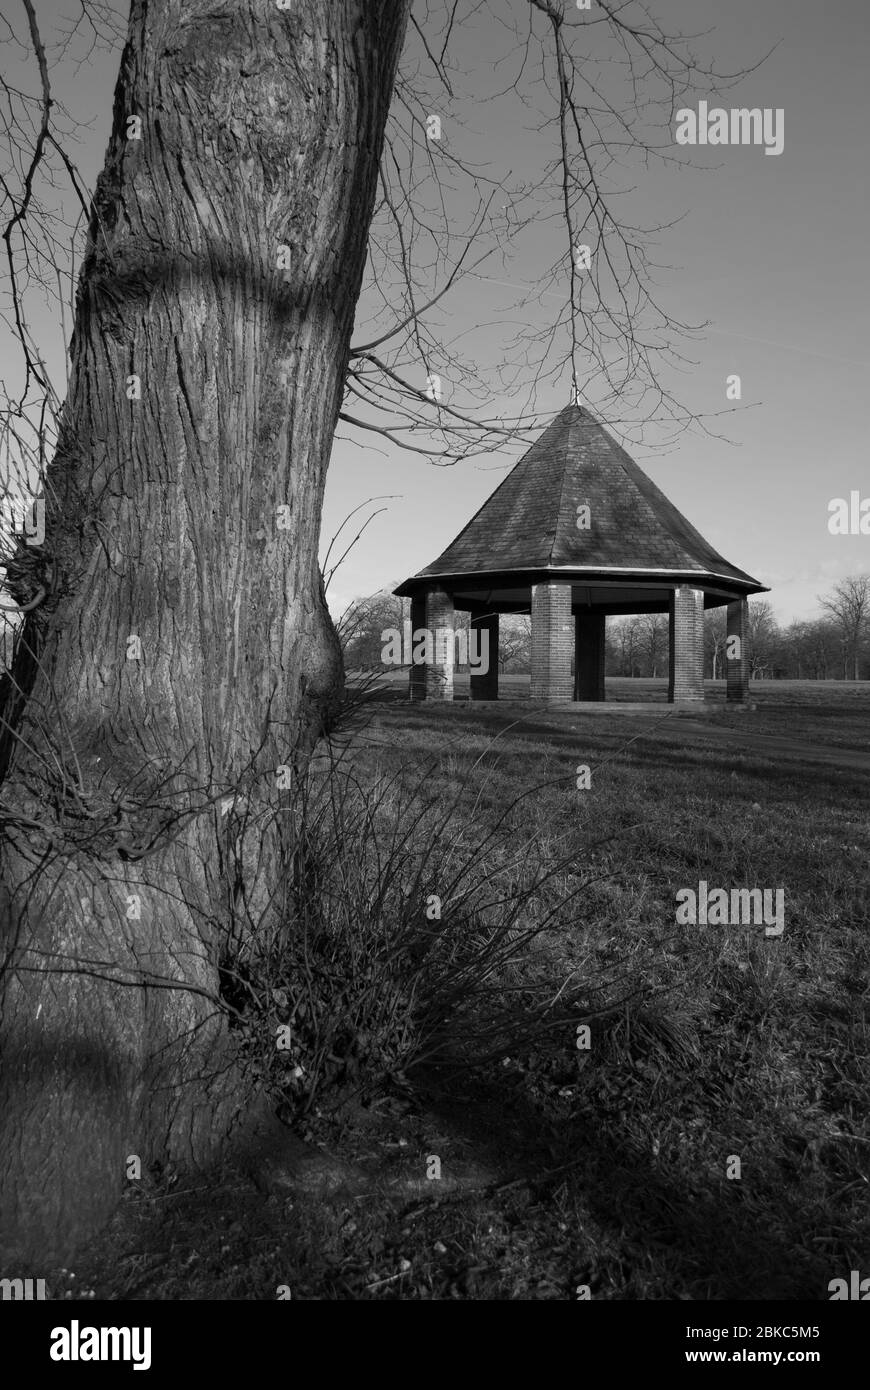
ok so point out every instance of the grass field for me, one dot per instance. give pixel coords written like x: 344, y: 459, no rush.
x: 604, y: 1168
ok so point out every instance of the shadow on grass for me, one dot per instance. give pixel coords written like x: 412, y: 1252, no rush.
x: 661, y: 747
x: 643, y: 1227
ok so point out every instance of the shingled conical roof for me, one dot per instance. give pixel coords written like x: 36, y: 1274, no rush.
x: 530, y: 521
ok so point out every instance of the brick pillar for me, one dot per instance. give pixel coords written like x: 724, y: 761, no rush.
x: 485, y: 686
x: 552, y: 641
x: 417, y: 674
x: 737, y: 666
x: 589, y: 656
x: 442, y: 646
x: 686, y: 680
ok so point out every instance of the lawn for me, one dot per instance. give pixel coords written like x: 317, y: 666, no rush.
x: 712, y: 1140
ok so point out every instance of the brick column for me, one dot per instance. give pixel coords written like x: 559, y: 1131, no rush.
x: 442, y: 646
x: 737, y: 667
x: 686, y: 681
x: 485, y: 686
x: 417, y: 674
x: 589, y: 656
x: 552, y: 640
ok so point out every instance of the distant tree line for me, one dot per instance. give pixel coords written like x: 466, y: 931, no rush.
x: 835, y: 645
x: 361, y: 625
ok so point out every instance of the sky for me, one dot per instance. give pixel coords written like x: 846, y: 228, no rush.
x: 769, y: 252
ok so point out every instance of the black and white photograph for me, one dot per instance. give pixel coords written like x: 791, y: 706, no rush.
x: 434, y: 671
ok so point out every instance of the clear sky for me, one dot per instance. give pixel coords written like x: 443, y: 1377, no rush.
x: 771, y: 253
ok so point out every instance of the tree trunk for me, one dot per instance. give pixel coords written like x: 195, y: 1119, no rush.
x: 184, y: 649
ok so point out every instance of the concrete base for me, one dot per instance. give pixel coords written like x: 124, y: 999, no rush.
x: 697, y: 709
x: 645, y: 708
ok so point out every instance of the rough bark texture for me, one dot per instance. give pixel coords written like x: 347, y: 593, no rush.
x: 261, y: 129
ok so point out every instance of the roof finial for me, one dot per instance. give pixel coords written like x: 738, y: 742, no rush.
x: 575, y: 394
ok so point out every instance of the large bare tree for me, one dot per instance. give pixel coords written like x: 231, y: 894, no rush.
x: 183, y: 650
x: 176, y: 658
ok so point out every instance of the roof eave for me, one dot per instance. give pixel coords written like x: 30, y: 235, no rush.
x: 619, y: 574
